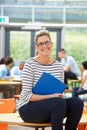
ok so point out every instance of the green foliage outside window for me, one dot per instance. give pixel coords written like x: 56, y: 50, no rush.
x: 75, y: 44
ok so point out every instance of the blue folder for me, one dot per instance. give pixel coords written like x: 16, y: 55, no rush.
x: 48, y: 84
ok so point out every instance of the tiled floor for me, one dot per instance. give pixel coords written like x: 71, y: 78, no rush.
x: 18, y: 128
x: 23, y: 128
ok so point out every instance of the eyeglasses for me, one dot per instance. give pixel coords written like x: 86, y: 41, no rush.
x: 41, y: 44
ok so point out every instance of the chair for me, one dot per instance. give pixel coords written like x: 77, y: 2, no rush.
x: 83, y: 126
x: 6, y: 106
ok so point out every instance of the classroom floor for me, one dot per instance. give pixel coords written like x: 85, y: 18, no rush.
x: 11, y: 127
x: 23, y: 128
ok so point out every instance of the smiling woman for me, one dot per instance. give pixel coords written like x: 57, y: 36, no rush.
x: 50, y: 107
x: 44, y: 46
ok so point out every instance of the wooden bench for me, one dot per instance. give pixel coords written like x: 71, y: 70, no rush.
x: 68, y: 91
x: 14, y: 119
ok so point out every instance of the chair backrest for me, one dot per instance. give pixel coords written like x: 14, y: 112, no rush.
x: 7, y: 105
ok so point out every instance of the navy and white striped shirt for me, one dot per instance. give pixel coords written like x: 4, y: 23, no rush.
x: 32, y: 72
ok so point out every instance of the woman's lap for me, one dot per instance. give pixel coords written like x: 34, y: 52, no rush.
x: 41, y: 111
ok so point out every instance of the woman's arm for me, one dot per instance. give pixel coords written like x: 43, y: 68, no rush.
x: 36, y: 97
x: 83, y: 81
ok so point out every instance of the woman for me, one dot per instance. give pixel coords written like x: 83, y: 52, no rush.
x: 53, y: 107
x: 83, y: 88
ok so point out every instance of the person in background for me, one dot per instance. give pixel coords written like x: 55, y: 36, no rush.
x: 71, y: 69
x: 17, y: 70
x: 83, y: 88
x: 4, y: 68
x: 2, y: 60
x: 9, y: 91
x: 46, y: 108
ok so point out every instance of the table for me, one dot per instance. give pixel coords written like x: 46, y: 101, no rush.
x: 74, y: 82
x: 17, y: 84
x: 17, y: 80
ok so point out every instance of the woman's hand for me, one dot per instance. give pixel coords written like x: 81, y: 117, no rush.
x: 58, y: 95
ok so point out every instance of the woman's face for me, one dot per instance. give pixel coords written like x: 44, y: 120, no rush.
x: 44, y: 45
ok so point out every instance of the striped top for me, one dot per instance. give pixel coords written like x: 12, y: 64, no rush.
x: 32, y: 72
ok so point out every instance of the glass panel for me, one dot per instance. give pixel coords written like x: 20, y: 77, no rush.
x: 51, y: 15
x: 54, y: 40
x: 76, y: 15
x: 76, y: 43
x: 0, y: 1
x: 76, y: 0
x: 19, y: 14
x: 33, y: 2
x: 39, y: 2
x: 76, y: 3
x: 20, y: 45
x: 53, y: 2
x: 17, y: 2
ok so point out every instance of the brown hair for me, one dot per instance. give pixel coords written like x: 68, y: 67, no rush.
x: 62, y: 50
x: 84, y: 63
x: 41, y: 33
x: 8, y: 60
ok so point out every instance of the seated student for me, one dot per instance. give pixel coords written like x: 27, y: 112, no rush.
x: 83, y: 88
x: 17, y: 70
x: 71, y: 69
x: 50, y: 107
x: 2, y: 60
x: 9, y: 91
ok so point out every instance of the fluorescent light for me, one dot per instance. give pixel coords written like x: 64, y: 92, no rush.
x: 32, y: 26
x: 38, y: 26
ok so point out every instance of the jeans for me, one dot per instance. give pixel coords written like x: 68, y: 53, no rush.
x: 69, y: 75
x: 76, y: 92
x: 54, y: 110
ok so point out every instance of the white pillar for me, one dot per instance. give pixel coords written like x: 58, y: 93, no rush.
x: 63, y: 37
x: 2, y: 42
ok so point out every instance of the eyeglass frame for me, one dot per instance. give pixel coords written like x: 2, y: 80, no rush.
x: 41, y: 44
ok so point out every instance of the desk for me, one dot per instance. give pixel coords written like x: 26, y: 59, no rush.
x: 17, y: 79
x: 11, y: 83
x: 74, y: 83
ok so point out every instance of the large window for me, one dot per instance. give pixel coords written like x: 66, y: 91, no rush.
x: 76, y: 43
x: 20, y: 45
x: 76, y: 15
x: 53, y: 11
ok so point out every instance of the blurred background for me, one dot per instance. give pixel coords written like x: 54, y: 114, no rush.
x: 65, y: 19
